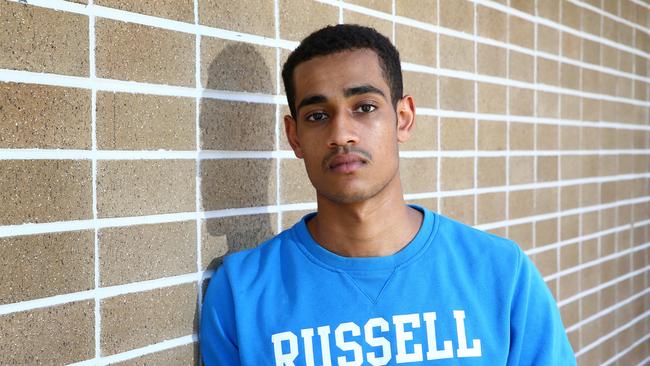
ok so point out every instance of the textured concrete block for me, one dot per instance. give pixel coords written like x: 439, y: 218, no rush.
x: 491, y: 98
x: 183, y: 355
x: 547, y: 168
x: 182, y: 10
x: 128, y: 121
x: 548, y: 39
x: 549, y: 10
x: 546, y: 232
x: 570, y: 106
x: 571, y: 15
x: 522, y: 170
x: 224, y: 235
x: 145, y: 187
x: 134, y: 320
x: 422, y: 10
x: 522, y: 67
x: 547, y: 137
x: 239, y: 16
x: 295, y: 185
x: 570, y: 167
x: 491, y: 60
x: 546, y: 200
x: 458, y: 15
x: 570, y: 76
x: 523, y: 5
x: 417, y: 46
x: 231, y: 183
x: 456, y: 94
x: 237, y: 66
x: 522, y: 234
x: 382, y: 26
x: 521, y: 32
x: 43, y: 40
x: 456, y: 173
x: 381, y: 5
x: 547, y: 104
x: 128, y: 51
x: 146, y: 252
x: 40, y: 116
x: 36, y: 266
x: 456, y: 54
x: 521, y: 204
x: 290, y: 218
x: 492, y: 135
x: 299, y: 18
x: 58, y: 335
x: 44, y: 191
x: 422, y: 87
x: 491, y: 207
x: 548, y: 71
x: 460, y: 208
x: 491, y: 23
x: 227, y: 125
x: 522, y: 136
x: 521, y: 101
x: 418, y: 174
x: 491, y: 172
x: 424, y: 136
x: 571, y: 46
x: 457, y: 134
x: 590, y: 52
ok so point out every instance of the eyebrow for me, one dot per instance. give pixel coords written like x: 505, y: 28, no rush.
x: 349, y: 92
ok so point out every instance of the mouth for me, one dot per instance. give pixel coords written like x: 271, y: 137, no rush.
x: 346, y: 163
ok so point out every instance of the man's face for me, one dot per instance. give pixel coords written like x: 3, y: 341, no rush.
x: 346, y: 128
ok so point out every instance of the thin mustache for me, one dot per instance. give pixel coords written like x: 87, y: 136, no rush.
x: 345, y: 150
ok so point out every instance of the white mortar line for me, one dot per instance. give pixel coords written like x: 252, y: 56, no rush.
x: 475, y: 152
x: 508, y: 125
x: 278, y: 117
x: 609, y: 15
x: 197, y: 165
x: 622, y: 353
x: 439, y: 119
x: 618, y: 330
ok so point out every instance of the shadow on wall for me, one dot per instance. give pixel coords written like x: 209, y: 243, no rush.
x: 236, y: 126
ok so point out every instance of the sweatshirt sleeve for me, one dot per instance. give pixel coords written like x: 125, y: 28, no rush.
x: 217, y: 335
x: 537, y: 336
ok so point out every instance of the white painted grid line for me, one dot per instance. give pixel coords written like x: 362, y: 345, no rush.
x: 476, y: 124
x: 278, y: 118
x: 618, y: 330
x: 625, y: 351
x: 610, y: 16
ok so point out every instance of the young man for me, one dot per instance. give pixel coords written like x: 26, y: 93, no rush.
x: 369, y: 280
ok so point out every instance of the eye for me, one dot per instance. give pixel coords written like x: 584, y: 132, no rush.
x: 365, y: 108
x: 316, y: 116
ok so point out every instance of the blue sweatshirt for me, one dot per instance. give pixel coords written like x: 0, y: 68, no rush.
x: 453, y: 296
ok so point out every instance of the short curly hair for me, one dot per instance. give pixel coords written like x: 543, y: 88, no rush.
x: 339, y: 38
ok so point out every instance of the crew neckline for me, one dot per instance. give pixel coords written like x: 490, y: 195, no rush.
x: 417, y: 245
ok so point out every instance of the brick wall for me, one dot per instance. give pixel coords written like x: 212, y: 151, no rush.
x: 141, y: 140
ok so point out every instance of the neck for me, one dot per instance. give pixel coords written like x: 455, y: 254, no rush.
x: 376, y: 227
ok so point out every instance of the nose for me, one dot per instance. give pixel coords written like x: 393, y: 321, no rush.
x: 342, y: 130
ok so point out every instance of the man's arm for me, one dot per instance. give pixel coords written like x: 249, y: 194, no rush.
x: 537, y: 334
x: 217, y: 335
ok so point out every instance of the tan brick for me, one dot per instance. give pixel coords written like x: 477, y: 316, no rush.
x: 626, y: 61
x: 569, y: 227
x: 133, y: 320
x: 522, y: 136
x: 34, y: 191
x: 228, y: 125
x: 232, y: 183
x: 382, y: 26
x: 590, y: 109
x: 491, y: 207
x: 429, y: 203
x: 295, y: 186
x: 547, y: 137
x: 549, y: 10
x: 570, y: 107
x: 457, y: 173
x: 571, y: 15
x: 237, y: 66
x: 492, y: 98
x: 55, y: 254
x: 231, y: 234
x: 290, y: 218
x: 422, y: 10
x: 570, y: 76
x: 172, y: 9
x: 145, y: 187
x: 521, y: 101
x: 298, y: 18
x: 425, y: 135
x: 524, y: 5
x: 381, y: 5
x: 127, y: 121
x: 589, y: 194
x: 591, y: 52
x: 128, y: 51
x: 546, y: 262
x: 521, y: 204
x: 456, y: 53
x: 546, y: 200
x: 457, y: 134
x: 547, y: 168
x: 492, y: 135
x: 422, y: 87
x: 609, y: 57
x: 239, y: 16
x: 521, y: 66
x: 569, y: 285
x: 456, y: 94
x: 60, y: 334
x: 522, y: 169
x: 548, y: 39
x: 545, y: 232
x: 43, y: 40
x: 458, y: 15
x: 182, y: 355
x: 569, y: 255
x: 491, y: 60
x: 547, y: 104
x: 522, y: 234
x: 521, y: 32
x: 548, y: 71
x: 419, y: 46
x: 571, y: 45
x: 491, y: 172
x: 41, y: 116
x: 460, y: 208
x: 146, y: 252
x: 569, y: 138
x: 491, y: 23
x: 570, y: 167
x: 418, y: 174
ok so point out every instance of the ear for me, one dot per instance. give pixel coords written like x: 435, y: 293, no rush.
x: 405, y: 118
x: 291, y: 129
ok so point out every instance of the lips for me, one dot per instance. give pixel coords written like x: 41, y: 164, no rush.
x: 346, y: 163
